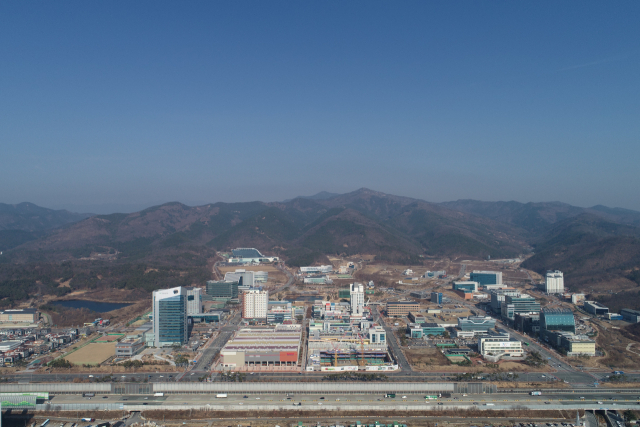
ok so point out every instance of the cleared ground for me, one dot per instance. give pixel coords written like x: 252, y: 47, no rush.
x: 93, y: 353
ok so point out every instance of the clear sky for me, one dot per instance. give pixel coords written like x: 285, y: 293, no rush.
x: 118, y: 105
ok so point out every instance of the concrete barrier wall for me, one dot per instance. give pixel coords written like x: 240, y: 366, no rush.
x: 327, y: 387
x: 309, y: 407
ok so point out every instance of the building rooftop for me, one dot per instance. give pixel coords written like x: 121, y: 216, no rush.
x: 595, y: 304
x: 246, y: 253
x: 631, y: 311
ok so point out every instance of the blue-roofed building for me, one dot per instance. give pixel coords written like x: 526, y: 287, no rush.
x: 246, y: 253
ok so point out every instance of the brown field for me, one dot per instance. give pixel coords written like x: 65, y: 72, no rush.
x: 93, y: 353
x: 432, y: 360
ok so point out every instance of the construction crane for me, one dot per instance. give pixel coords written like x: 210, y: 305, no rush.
x: 362, y: 361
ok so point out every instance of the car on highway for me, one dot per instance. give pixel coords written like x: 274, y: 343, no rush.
x: 244, y: 397
x: 600, y: 403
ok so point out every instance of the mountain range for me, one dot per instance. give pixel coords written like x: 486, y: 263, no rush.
x: 598, y: 242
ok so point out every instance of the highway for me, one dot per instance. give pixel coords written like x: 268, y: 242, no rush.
x: 605, y: 400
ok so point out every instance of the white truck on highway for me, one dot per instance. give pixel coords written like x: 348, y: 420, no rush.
x: 158, y: 394
x: 536, y: 393
x: 221, y: 395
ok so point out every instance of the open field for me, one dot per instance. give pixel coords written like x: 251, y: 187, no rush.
x: 93, y: 353
x: 432, y: 360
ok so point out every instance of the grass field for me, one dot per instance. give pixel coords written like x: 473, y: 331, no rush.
x: 93, y: 353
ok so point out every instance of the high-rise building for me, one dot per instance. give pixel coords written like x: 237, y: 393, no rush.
x: 486, y: 277
x: 222, y: 289
x: 170, y: 317
x: 194, y: 302
x: 357, y: 299
x: 255, y: 304
x: 436, y: 298
x: 554, y: 282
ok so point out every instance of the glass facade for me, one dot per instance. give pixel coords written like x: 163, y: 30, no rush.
x: 486, y: 277
x: 519, y: 304
x: 222, y: 289
x: 476, y: 323
x: 557, y: 320
x: 172, y: 320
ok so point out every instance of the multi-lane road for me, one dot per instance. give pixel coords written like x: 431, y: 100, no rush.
x: 602, y: 400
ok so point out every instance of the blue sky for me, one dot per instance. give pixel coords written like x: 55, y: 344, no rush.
x: 120, y: 105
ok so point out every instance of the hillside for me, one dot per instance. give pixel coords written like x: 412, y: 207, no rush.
x: 596, y: 255
x: 174, y: 243
x: 536, y: 218
x: 32, y: 218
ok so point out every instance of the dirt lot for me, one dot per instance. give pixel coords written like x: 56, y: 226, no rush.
x: 621, y: 352
x: 432, y: 360
x: 93, y: 353
x: 449, y: 418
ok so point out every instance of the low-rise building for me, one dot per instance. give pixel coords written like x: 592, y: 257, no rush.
x: 497, y: 345
x: 595, y: 308
x: 469, y: 285
x: 129, y: 346
x: 401, y: 308
x: 476, y: 323
x: 269, y: 346
x: 629, y: 315
x: 19, y: 315
x: 416, y: 317
x: 425, y: 329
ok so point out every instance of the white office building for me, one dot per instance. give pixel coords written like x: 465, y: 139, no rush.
x: 495, y: 346
x: 255, y: 304
x: 554, y: 282
x: 194, y: 302
x: 357, y: 299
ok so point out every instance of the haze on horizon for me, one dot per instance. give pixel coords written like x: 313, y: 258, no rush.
x: 117, y: 106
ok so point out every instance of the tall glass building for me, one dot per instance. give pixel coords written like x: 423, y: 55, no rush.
x: 170, y: 317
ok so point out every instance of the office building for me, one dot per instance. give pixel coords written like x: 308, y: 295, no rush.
x: 254, y: 304
x: 170, y: 317
x: 279, y: 312
x: 377, y: 335
x: 401, y: 308
x: 416, y: 318
x: 554, y: 283
x: 469, y: 286
x: 260, y: 276
x: 222, y: 290
x: 629, y: 315
x: 486, y: 277
x: 557, y: 319
x: 521, y: 303
x: 242, y: 276
x: 425, y: 329
x: 436, y: 298
x: 498, y: 296
x: 529, y: 323
x: 476, y: 323
x: 194, y: 302
x: 595, y: 308
x: 129, y: 346
x: 496, y: 345
x: 357, y: 299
